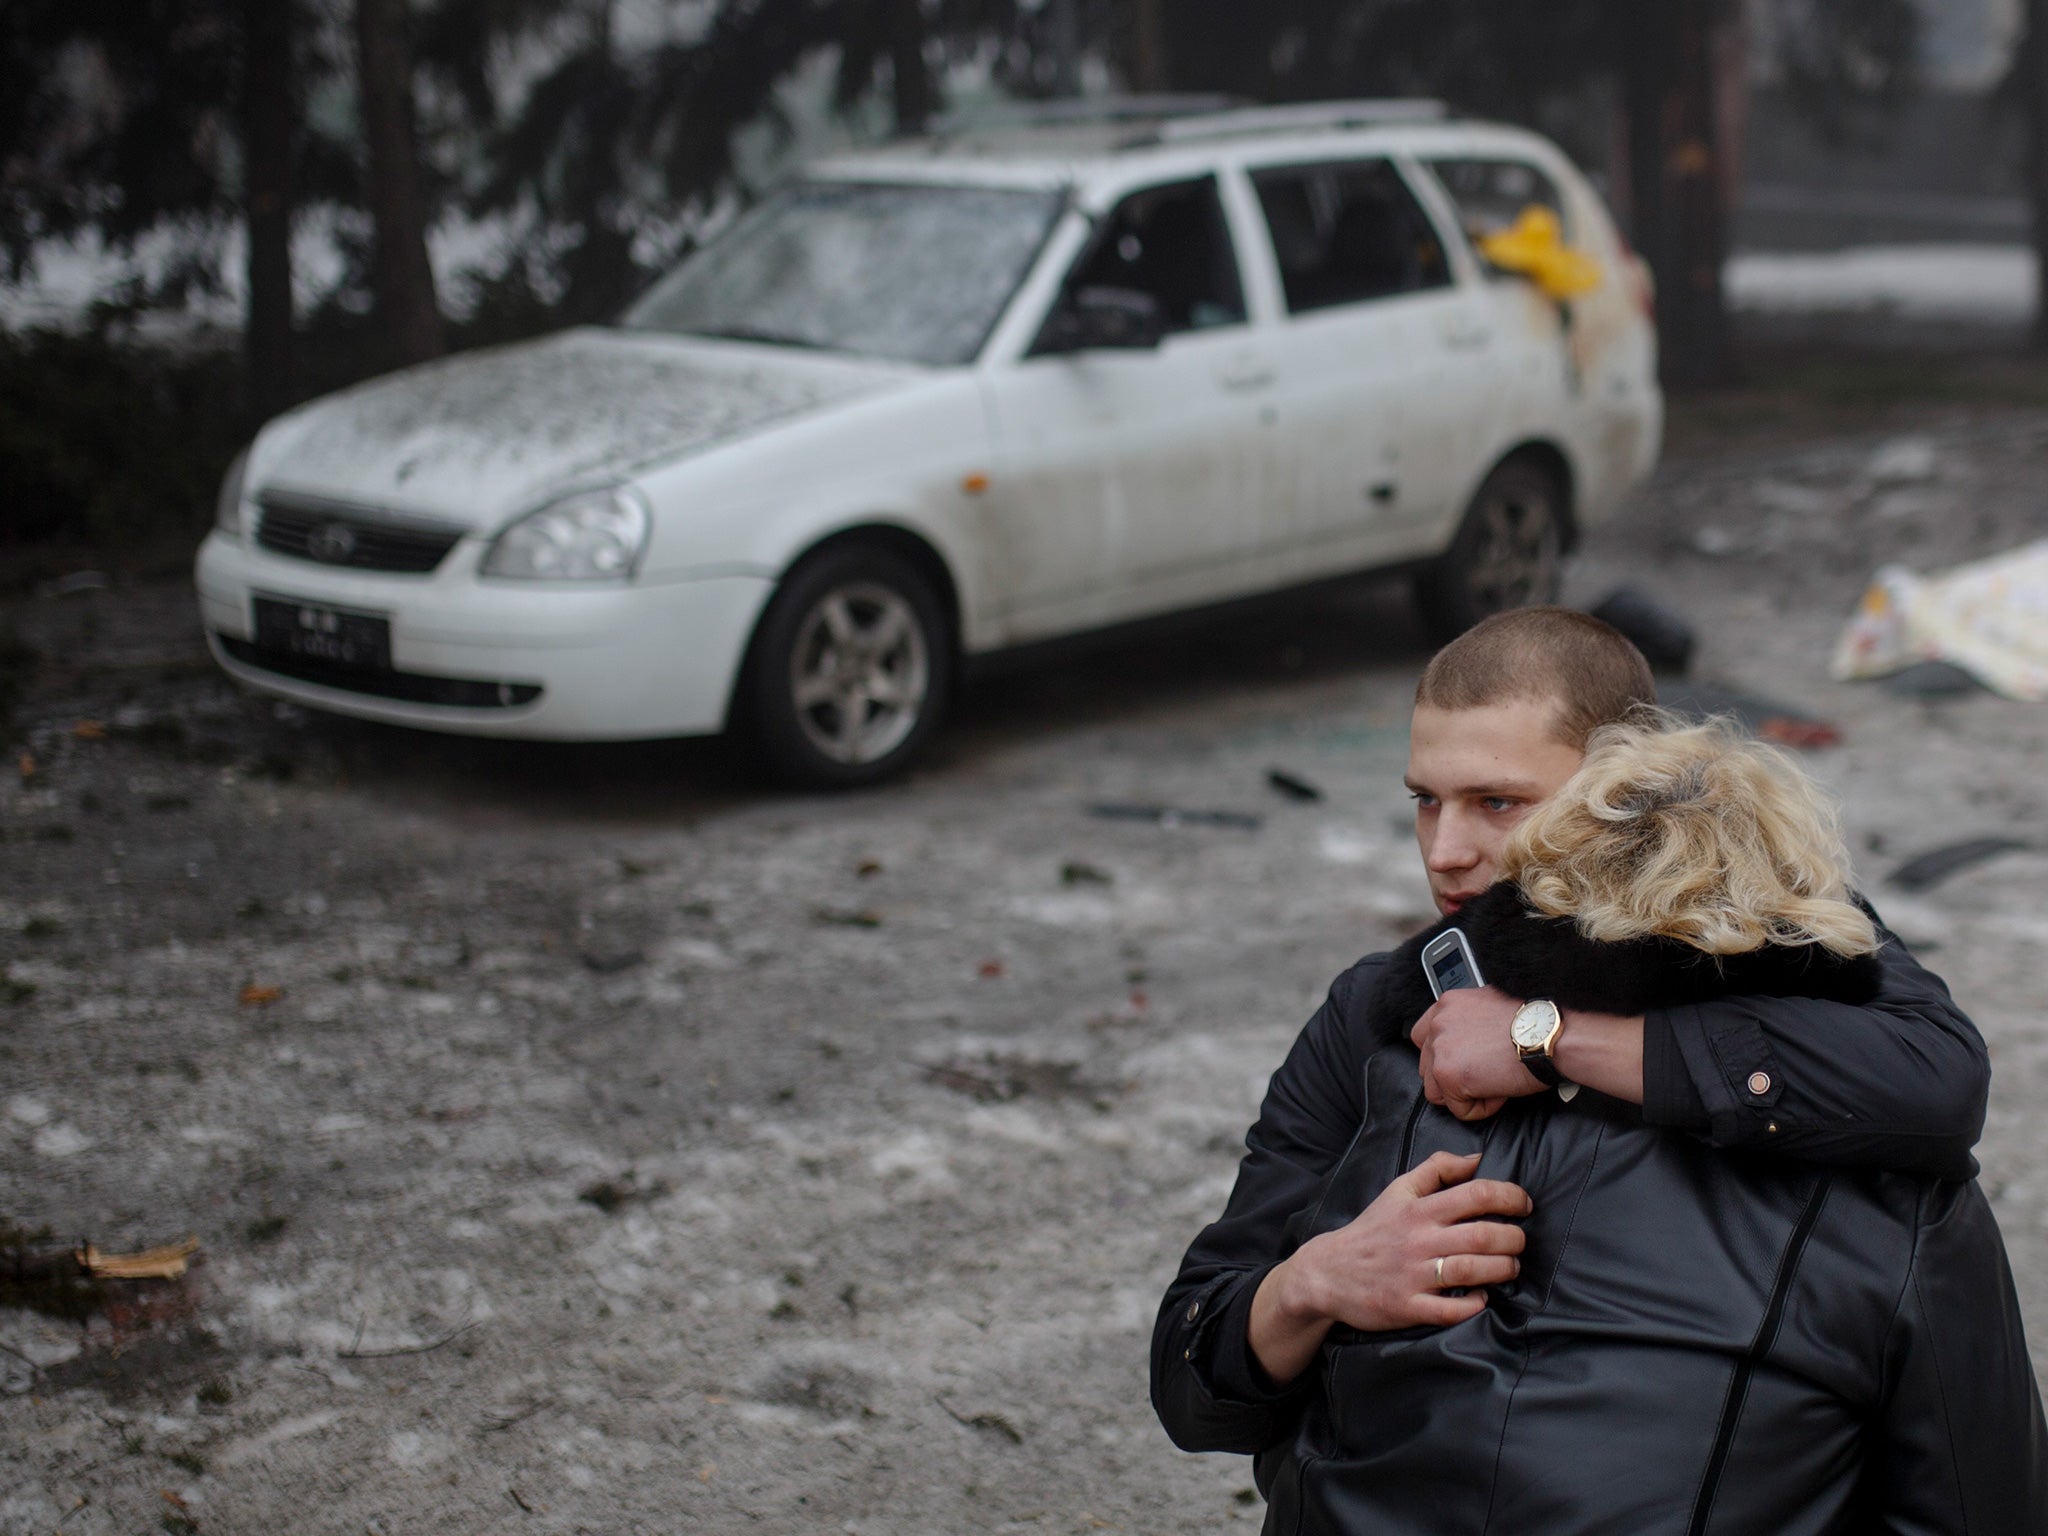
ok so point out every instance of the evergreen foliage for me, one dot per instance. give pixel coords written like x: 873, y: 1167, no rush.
x: 129, y: 119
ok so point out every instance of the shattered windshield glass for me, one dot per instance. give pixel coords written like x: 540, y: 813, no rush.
x: 917, y: 273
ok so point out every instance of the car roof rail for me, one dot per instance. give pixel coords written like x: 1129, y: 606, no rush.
x: 1081, y: 111
x: 1304, y: 117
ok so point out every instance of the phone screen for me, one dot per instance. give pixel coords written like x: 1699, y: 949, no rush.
x: 1451, y: 971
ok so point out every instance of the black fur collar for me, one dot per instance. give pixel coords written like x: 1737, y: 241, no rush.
x: 1525, y: 955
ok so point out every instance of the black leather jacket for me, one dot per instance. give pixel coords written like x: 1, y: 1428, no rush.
x: 1701, y: 1341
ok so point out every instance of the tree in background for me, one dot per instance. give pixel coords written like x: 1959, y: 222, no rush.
x: 127, y: 117
x: 2025, y: 87
x: 128, y: 120
x: 403, y: 276
x: 268, y: 122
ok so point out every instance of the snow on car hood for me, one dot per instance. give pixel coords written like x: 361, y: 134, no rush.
x: 478, y: 437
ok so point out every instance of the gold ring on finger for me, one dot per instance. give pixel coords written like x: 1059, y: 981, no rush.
x: 1439, y: 1271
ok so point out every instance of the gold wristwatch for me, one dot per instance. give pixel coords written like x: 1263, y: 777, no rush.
x: 1535, y: 1030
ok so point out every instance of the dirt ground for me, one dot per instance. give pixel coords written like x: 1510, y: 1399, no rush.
x: 608, y: 1146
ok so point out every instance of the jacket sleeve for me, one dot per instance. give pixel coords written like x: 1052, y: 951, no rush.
x: 1959, y: 1443
x: 1207, y: 1387
x: 1899, y: 1083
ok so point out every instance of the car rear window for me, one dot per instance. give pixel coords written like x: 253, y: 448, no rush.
x: 1490, y: 194
x: 1347, y: 232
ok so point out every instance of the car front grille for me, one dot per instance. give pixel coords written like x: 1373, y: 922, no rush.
x: 333, y: 536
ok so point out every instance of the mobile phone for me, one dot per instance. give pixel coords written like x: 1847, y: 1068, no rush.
x: 1448, y: 962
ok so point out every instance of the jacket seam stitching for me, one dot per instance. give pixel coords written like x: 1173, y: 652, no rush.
x: 1948, y: 1422
x: 1745, y: 1368
x: 1885, y: 1384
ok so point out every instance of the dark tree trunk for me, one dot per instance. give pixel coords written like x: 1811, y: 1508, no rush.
x: 2033, y: 69
x: 1065, y: 18
x: 915, y: 96
x: 269, y: 131
x: 1678, y: 193
x: 402, y: 276
x: 1148, y: 58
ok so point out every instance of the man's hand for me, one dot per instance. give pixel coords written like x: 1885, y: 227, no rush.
x: 1469, y: 1063
x: 1380, y: 1272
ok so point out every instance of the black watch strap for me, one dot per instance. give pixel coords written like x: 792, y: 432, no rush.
x: 1542, y: 1068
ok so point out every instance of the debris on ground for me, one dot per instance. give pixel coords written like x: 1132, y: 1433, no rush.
x: 1714, y: 541
x: 847, y: 917
x: 1932, y: 680
x: 614, y: 1194
x: 998, y: 1077
x: 1663, y: 636
x: 1765, y: 718
x: 79, y: 1281
x: 1293, y: 786
x: 1903, y: 461
x: 1799, y: 731
x: 604, y: 960
x: 1173, y: 816
x: 258, y: 996
x: 988, y: 1419
x: 1929, y: 869
x: 1989, y: 617
x: 1076, y: 872
x: 166, y: 1263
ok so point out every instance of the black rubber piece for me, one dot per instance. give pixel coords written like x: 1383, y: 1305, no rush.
x: 1932, y: 680
x: 1664, y: 637
x: 1938, y: 864
x: 1293, y: 786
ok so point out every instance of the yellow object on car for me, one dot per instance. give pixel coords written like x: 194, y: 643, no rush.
x: 1533, y: 247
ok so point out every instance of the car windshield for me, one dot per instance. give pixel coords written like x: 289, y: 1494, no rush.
x: 916, y: 273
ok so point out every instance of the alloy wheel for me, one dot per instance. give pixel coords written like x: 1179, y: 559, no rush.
x: 1518, y: 556
x: 860, y: 673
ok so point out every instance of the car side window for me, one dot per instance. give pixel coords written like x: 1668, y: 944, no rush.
x: 1490, y: 194
x: 1173, y: 243
x: 1348, y: 232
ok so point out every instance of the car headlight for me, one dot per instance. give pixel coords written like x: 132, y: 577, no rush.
x: 227, y: 510
x: 591, y: 536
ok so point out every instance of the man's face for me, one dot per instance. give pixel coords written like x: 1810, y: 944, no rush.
x: 1474, y: 774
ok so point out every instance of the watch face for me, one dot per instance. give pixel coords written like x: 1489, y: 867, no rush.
x: 1532, y: 1026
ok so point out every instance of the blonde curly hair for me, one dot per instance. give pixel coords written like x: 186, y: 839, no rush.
x: 1692, y: 832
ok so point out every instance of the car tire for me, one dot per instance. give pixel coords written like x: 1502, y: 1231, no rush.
x: 849, y: 672
x: 1508, y: 552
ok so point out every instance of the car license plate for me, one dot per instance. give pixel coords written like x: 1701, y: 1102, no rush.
x: 323, y: 634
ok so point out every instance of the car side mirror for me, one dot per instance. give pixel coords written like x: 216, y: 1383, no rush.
x: 1106, y: 319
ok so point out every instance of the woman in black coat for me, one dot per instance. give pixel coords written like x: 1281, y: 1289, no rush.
x: 1697, y: 1341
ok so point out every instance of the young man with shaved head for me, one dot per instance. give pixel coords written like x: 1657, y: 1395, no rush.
x: 1336, y: 1341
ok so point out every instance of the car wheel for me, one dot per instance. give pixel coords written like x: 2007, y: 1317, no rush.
x: 1508, y: 553
x: 850, y: 670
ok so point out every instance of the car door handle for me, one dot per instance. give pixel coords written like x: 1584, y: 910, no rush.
x: 1249, y: 376
x: 1467, y: 335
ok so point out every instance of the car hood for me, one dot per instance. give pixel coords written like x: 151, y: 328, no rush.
x: 476, y: 438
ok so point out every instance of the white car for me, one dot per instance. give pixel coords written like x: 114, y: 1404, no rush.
x: 951, y: 397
